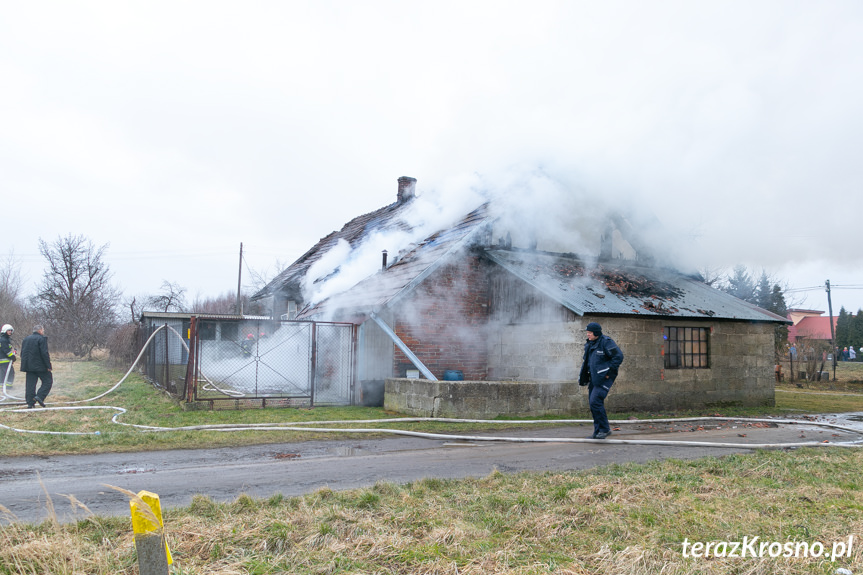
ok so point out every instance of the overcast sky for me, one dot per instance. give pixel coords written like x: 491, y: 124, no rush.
x: 173, y: 131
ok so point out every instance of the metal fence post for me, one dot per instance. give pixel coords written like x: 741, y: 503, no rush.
x: 191, y: 391
x: 314, y: 358
x: 167, y: 381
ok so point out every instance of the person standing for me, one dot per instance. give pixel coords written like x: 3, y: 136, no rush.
x: 601, y: 362
x: 852, y: 355
x: 36, y: 361
x: 7, y: 355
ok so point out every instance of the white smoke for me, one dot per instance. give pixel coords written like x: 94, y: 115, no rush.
x: 531, y: 209
x: 343, y: 266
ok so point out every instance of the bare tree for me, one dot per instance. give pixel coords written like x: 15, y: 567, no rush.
x: 12, y: 307
x: 260, y: 278
x: 76, y: 298
x: 225, y: 303
x: 134, y: 304
x: 712, y: 275
x: 172, y: 297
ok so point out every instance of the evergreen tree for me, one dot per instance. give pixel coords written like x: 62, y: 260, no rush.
x: 843, y: 328
x: 778, y: 306
x: 764, y: 293
x: 740, y: 285
x: 772, y: 298
x: 857, y: 331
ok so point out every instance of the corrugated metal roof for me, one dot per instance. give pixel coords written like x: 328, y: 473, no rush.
x: 620, y: 289
x: 187, y: 315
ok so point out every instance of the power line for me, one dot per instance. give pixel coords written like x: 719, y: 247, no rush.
x: 818, y: 288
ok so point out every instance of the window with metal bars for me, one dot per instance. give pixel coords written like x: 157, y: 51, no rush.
x: 686, y: 347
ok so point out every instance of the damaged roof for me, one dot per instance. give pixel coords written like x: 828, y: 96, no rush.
x: 611, y: 288
x: 408, y: 270
x: 354, y: 232
x: 614, y: 288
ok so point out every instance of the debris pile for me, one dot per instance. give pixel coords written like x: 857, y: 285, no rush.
x: 620, y: 282
x: 632, y: 284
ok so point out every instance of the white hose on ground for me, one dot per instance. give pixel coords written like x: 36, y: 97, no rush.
x: 306, y: 426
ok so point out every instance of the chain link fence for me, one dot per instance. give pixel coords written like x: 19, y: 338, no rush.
x: 234, y: 363
x: 272, y: 362
x: 167, y: 357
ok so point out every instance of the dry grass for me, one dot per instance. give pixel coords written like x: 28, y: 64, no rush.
x: 624, y: 519
x: 628, y: 520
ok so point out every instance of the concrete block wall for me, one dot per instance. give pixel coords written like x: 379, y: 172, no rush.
x: 533, y: 371
x: 484, y: 399
x: 740, y: 372
x: 549, y: 351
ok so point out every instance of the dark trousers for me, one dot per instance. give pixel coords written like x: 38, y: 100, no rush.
x: 30, y: 393
x: 597, y: 409
x: 3, y: 377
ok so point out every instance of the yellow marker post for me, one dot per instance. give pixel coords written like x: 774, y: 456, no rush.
x: 153, y: 553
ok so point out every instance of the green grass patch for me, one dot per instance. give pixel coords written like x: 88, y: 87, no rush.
x: 628, y: 519
x: 148, y: 406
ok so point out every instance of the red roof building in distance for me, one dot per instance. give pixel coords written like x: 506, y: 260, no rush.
x: 809, y: 324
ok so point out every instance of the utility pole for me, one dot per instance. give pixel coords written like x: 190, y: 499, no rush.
x: 832, y: 329
x: 240, y: 282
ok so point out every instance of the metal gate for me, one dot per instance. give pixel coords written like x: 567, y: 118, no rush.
x: 263, y: 362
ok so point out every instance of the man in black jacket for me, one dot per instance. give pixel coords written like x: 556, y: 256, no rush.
x: 36, y: 361
x: 602, y: 359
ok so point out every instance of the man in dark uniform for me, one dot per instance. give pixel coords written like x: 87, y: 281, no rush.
x: 602, y: 359
x: 36, y: 361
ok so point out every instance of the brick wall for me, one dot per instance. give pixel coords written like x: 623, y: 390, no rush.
x: 444, y: 320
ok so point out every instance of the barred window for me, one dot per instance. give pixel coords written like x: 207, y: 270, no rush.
x: 686, y: 347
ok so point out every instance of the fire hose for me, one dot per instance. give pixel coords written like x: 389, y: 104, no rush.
x: 307, y: 426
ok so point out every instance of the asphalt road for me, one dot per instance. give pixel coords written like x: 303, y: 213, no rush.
x: 27, y: 483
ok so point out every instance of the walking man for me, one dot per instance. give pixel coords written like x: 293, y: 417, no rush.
x: 7, y: 355
x: 36, y: 361
x: 602, y: 359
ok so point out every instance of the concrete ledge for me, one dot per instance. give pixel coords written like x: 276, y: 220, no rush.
x: 490, y: 399
x: 484, y: 399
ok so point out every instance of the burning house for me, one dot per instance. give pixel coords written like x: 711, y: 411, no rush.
x: 482, y: 316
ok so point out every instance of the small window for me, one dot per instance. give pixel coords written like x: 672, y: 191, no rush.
x: 686, y: 347
x: 230, y: 331
x: 206, y: 330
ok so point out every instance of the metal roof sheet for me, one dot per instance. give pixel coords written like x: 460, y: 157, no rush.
x: 187, y: 315
x: 617, y: 288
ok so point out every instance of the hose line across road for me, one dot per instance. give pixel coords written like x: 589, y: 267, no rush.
x: 27, y: 483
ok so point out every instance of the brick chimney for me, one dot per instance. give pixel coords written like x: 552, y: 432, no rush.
x: 407, y: 189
